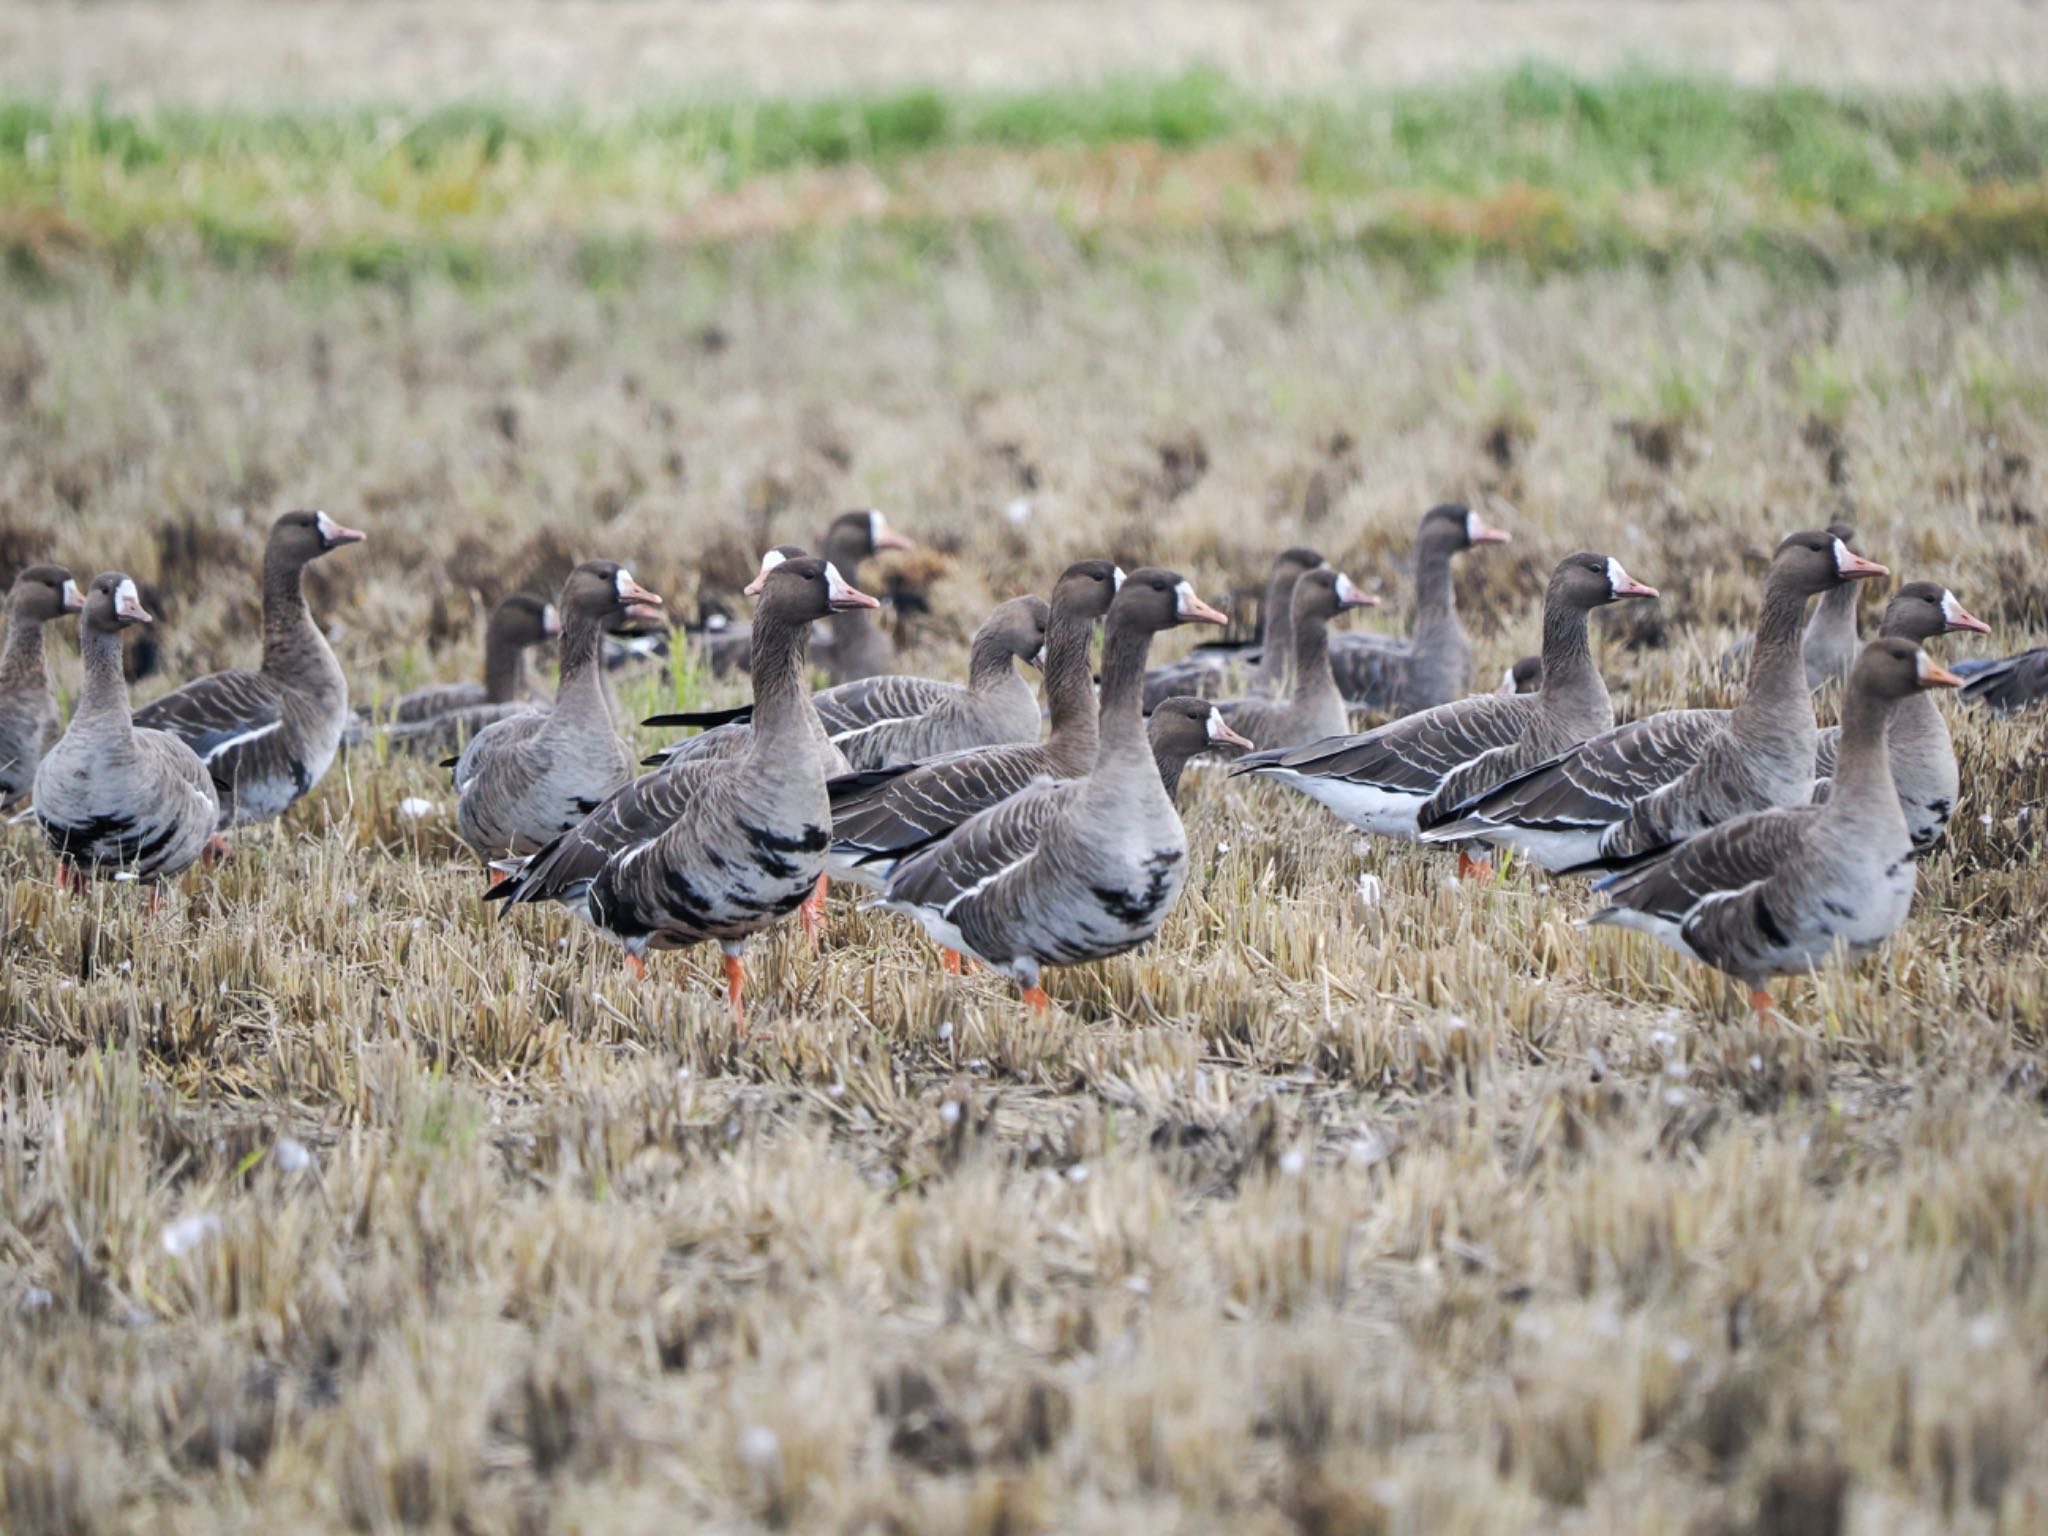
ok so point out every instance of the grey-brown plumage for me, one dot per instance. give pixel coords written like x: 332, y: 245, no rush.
x: 878, y: 722
x: 1182, y: 728
x: 1407, y: 772
x: 721, y: 847
x: 525, y: 780
x: 1657, y: 781
x: 1525, y: 676
x: 1433, y: 665
x: 29, y: 722
x: 1206, y: 671
x: 113, y: 798
x: 442, y: 717
x: 883, y: 816
x: 268, y: 736
x: 1923, y: 757
x: 1063, y: 873
x: 1778, y: 891
x: 2010, y: 684
x: 1312, y: 708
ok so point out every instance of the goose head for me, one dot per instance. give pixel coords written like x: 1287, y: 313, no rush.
x: 1323, y: 593
x: 1587, y: 581
x: 1086, y: 588
x: 299, y: 538
x: 1018, y: 626
x: 1818, y: 560
x: 1454, y: 526
x: 1892, y: 667
x: 523, y: 619
x: 605, y: 591
x: 803, y: 588
x: 1153, y: 599
x: 42, y: 593
x: 1184, y: 725
x: 769, y: 561
x: 854, y: 536
x: 1921, y: 610
x: 113, y: 604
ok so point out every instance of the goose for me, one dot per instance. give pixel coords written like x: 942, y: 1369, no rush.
x: 1069, y: 871
x: 1392, y: 779
x: 1923, y: 758
x: 876, y: 722
x: 1828, y: 646
x: 2006, y: 686
x: 718, y: 847
x: 113, y: 797
x: 526, y: 779
x: 1206, y: 670
x: 1313, y: 708
x: 1655, y: 781
x: 442, y: 716
x: 268, y: 736
x: 29, y: 721
x: 1183, y: 727
x: 1434, y: 664
x: 879, y: 818
x: 854, y: 645
x: 1525, y: 676
x: 1778, y: 891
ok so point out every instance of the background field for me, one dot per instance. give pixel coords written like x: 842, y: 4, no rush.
x: 1363, y: 1201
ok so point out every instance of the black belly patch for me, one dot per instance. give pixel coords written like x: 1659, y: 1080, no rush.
x: 1768, y: 922
x: 772, y: 850
x: 1137, y: 907
x: 302, y: 780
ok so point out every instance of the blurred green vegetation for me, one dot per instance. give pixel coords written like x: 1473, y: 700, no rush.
x: 1537, y: 168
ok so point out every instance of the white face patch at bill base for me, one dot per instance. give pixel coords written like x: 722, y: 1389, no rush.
x: 1349, y: 595
x: 840, y: 591
x: 1116, y: 580
x: 1842, y: 557
x: 73, y: 599
x: 128, y: 602
x: 769, y: 561
x: 1185, y: 603
x: 1217, y: 725
x: 1617, y: 578
x: 550, y: 621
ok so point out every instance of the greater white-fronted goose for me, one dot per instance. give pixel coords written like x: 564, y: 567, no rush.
x: 1064, y: 873
x: 441, y: 717
x: 883, y: 816
x: 859, y: 647
x: 877, y: 722
x: 1659, y: 780
x: 1434, y: 664
x: 29, y: 722
x: 1312, y: 709
x: 2008, y: 685
x: 1409, y: 768
x: 1777, y: 892
x: 112, y: 797
x: 527, y: 779
x: 1829, y: 645
x: 268, y: 736
x: 1206, y: 671
x: 1923, y: 757
x: 1184, y: 727
x: 718, y: 847
x: 1525, y: 676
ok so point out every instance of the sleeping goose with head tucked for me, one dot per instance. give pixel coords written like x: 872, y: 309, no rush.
x: 1779, y: 891
x: 1657, y: 781
x: 268, y: 736
x: 442, y: 716
x: 526, y: 779
x: 29, y: 722
x: 1072, y: 871
x: 114, y: 798
x: 715, y: 848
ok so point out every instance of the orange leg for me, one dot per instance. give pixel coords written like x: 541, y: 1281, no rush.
x: 637, y: 966
x: 1760, y: 1000
x: 949, y: 960
x: 812, y: 912
x: 735, y: 975
x: 1036, y: 1000
x: 216, y: 851
x: 66, y: 880
x: 1470, y: 868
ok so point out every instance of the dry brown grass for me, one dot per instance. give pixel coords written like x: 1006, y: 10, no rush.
x: 1436, y: 1214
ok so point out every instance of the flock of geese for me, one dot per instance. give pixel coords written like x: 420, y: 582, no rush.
x: 1746, y: 838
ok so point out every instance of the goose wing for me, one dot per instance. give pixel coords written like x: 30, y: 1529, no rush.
x: 1595, y: 783
x: 1712, y: 885
x: 623, y: 820
x: 962, y: 867
x: 220, y: 717
x: 1414, y: 754
x: 889, y: 812
x: 2014, y: 683
x: 1369, y: 668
